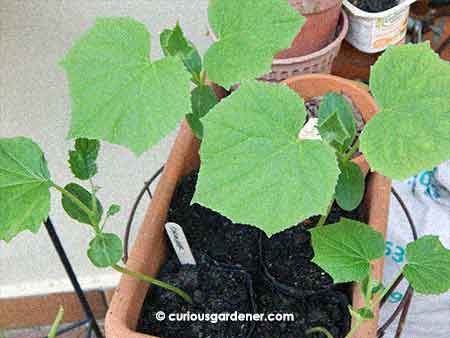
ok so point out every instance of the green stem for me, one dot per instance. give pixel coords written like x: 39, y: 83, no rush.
x: 94, y: 199
x: 388, y: 288
x: 150, y: 280
x: 323, y: 218
x: 56, y: 323
x: 79, y: 204
x: 368, y: 295
x: 355, y: 328
x: 319, y: 329
x: 348, y: 155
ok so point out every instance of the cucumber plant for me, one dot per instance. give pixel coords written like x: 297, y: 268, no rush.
x: 120, y: 95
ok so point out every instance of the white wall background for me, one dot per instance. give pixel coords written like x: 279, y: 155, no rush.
x: 34, y: 35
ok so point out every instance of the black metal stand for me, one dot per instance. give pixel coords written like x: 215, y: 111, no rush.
x: 90, y: 320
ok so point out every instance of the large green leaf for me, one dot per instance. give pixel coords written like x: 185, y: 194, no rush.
x: 249, y: 34
x: 254, y: 169
x: 411, y: 133
x: 105, y: 250
x: 75, y: 211
x: 428, y: 268
x: 83, y: 160
x: 346, y: 249
x: 117, y: 93
x: 24, y: 187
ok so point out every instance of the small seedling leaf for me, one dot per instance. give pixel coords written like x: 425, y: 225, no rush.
x: 174, y: 43
x: 378, y: 288
x: 345, y: 249
x: 85, y: 197
x: 105, y: 250
x: 411, y: 132
x: 350, y: 187
x: 113, y: 209
x: 336, y: 121
x: 249, y: 35
x: 203, y: 99
x: 196, y: 125
x: 83, y: 160
x: 118, y: 94
x: 24, y: 187
x: 366, y: 313
x: 428, y: 268
x: 254, y: 167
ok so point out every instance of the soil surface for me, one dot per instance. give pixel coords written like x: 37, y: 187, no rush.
x: 279, y: 270
x: 214, y: 289
x: 375, y: 6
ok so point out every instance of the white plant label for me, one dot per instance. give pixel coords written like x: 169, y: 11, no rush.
x: 180, y: 244
x: 310, y: 131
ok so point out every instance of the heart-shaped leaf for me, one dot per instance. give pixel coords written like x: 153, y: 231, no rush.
x: 85, y: 197
x: 350, y: 187
x: 411, y: 132
x: 249, y: 34
x: 255, y: 169
x: 346, y: 249
x: 105, y: 250
x: 24, y: 187
x: 83, y: 160
x: 117, y: 93
x: 428, y: 268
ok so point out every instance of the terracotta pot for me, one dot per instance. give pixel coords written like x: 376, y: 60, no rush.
x: 319, y: 30
x: 149, y: 250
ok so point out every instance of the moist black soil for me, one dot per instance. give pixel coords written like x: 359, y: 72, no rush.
x: 214, y: 289
x: 272, y: 265
x: 210, y: 233
x: 375, y: 6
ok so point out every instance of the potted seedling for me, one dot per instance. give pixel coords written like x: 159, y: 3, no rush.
x: 255, y: 169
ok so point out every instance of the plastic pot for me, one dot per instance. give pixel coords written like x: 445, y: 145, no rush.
x: 320, y: 61
x: 149, y: 251
x: 374, y: 32
x: 321, y: 20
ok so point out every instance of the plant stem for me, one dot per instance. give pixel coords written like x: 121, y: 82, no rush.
x: 388, y: 288
x: 56, y: 323
x: 94, y: 199
x: 150, y: 280
x: 355, y: 328
x: 79, y: 204
x: 348, y: 155
x: 323, y: 218
x: 319, y: 329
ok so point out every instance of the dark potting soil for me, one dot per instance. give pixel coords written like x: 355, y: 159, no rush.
x: 211, y: 233
x: 375, y: 6
x: 326, y: 310
x: 214, y: 289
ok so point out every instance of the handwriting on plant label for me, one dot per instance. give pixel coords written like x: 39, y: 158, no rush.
x: 180, y: 244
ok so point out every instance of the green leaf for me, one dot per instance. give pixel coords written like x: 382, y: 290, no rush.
x: 117, y: 93
x: 428, y: 268
x: 336, y: 121
x: 83, y: 160
x: 85, y: 197
x: 196, y: 125
x: 366, y: 313
x: 411, y: 132
x: 249, y: 35
x: 24, y: 187
x: 255, y: 169
x: 378, y: 288
x: 345, y: 249
x: 174, y: 43
x: 113, y: 209
x: 350, y: 187
x: 105, y: 250
x: 203, y: 99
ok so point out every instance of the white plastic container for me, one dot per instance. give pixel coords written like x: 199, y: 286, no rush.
x: 374, y: 32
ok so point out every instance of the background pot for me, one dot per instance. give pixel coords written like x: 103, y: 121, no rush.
x: 150, y: 248
x: 320, y: 61
x: 319, y: 30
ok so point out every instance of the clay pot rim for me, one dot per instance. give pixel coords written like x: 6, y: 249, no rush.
x: 338, y: 40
